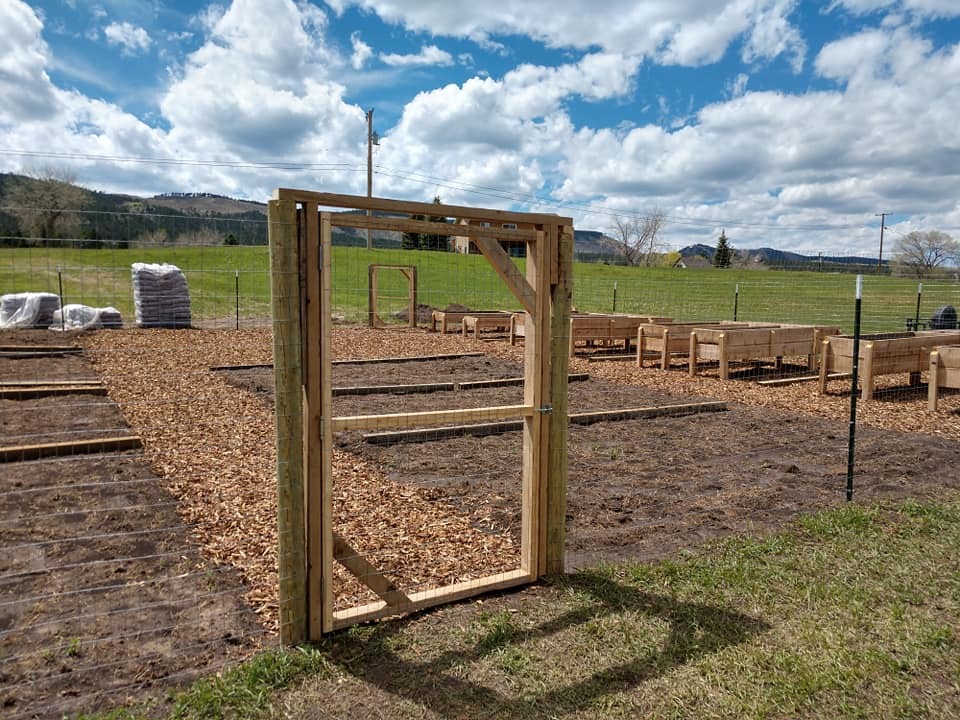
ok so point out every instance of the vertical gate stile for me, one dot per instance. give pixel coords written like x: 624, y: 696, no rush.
x: 326, y: 439
x: 532, y: 428
x: 544, y: 405
x: 311, y: 413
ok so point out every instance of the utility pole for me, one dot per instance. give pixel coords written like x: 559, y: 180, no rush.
x: 883, y: 217
x: 372, y: 140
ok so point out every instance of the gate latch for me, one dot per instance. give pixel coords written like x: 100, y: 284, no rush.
x: 545, y: 409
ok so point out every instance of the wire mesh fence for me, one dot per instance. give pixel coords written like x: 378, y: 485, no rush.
x: 126, y: 569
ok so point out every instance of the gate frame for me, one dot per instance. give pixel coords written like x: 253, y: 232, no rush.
x: 373, y: 273
x: 301, y: 302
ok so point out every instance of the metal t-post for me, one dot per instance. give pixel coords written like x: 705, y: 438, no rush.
x: 853, y: 389
x: 916, y: 319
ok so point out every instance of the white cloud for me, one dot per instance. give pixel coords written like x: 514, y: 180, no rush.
x: 886, y: 139
x: 738, y: 86
x: 684, y: 32
x: 261, y: 87
x: 772, y: 35
x: 267, y: 84
x: 130, y: 39
x: 428, y: 55
x: 929, y: 8
x: 361, y: 52
x: 25, y: 87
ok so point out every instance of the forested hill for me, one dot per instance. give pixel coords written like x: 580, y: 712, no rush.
x: 97, y: 218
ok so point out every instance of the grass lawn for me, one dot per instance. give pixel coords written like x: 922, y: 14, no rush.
x: 102, y: 277
x: 853, y: 613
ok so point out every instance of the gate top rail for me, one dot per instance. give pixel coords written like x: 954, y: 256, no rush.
x: 465, y: 212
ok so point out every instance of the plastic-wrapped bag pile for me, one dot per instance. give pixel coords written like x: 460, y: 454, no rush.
x: 160, y: 296
x: 84, y: 317
x: 28, y: 309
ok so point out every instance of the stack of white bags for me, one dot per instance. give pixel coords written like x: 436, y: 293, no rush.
x: 84, y: 317
x: 160, y: 296
x: 28, y: 309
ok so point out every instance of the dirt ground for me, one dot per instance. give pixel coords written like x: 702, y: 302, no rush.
x: 104, y: 594
x: 140, y: 570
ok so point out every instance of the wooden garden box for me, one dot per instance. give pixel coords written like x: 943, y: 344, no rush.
x: 944, y: 372
x: 727, y: 345
x: 882, y: 354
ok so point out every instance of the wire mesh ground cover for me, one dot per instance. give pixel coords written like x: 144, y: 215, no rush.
x: 102, y: 591
x: 214, y: 443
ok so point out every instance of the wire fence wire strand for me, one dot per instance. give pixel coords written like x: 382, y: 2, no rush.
x: 740, y: 431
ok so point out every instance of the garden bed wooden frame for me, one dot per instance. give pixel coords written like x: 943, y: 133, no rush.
x: 882, y: 354
x: 373, y: 292
x: 300, y: 259
x: 442, y: 321
x: 594, y: 329
x: 489, y: 322
x: 726, y: 345
x: 673, y: 338
x: 944, y: 373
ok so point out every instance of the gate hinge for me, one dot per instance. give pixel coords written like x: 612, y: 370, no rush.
x: 545, y: 409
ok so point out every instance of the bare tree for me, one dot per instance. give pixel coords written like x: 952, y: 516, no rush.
x: 638, y: 236
x: 46, y: 202
x: 919, y: 253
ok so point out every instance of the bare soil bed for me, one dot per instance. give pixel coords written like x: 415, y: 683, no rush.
x: 104, y: 594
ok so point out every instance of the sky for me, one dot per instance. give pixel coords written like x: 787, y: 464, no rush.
x: 789, y: 124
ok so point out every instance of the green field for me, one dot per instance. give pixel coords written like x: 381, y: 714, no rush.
x: 102, y: 277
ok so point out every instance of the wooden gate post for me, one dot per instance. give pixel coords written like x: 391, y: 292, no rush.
x: 555, y: 508
x: 288, y: 378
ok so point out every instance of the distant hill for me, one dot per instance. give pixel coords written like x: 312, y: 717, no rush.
x: 205, y: 203
x: 594, y: 246
x: 773, y: 259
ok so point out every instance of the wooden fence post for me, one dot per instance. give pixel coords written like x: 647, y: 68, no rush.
x: 288, y: 378
x: 555, y: 511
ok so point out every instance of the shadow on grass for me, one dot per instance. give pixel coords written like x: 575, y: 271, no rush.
x: 694, y: 631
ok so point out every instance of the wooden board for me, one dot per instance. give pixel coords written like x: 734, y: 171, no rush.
x: 430, y: 418
x: 20, y: 453
x: 488, y: 322
x: 431, y: 598
x: 542, y: 288
x: 583, y: 418
x: 38, y: 391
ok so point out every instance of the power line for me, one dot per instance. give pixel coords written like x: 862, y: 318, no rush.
x: 440, y: 182
x: 596, y: 208
x: 263, y: 165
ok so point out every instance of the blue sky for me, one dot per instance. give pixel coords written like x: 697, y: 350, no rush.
x: 789, y: 124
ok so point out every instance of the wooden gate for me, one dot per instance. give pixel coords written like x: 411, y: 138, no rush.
x: 300, y: 226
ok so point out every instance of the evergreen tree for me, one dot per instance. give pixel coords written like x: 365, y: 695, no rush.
x: 425, y: 241
x: 723, y: 255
